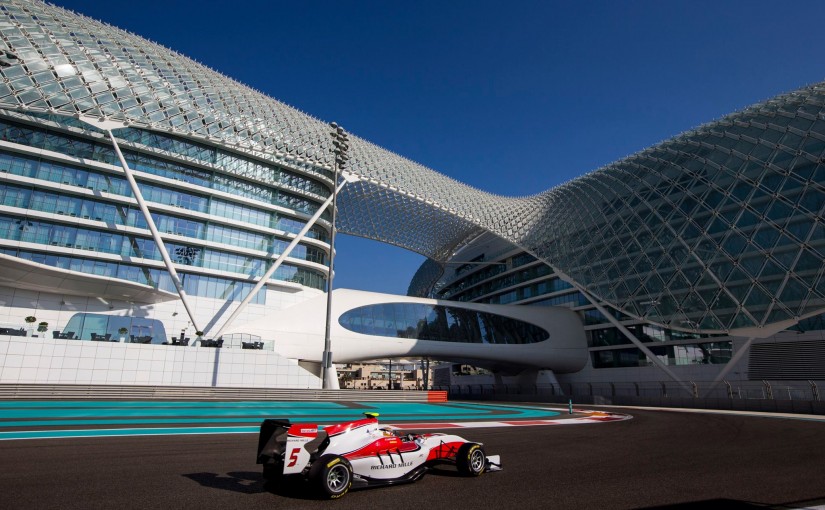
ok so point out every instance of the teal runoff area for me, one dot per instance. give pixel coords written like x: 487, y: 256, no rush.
x: 61, y: 419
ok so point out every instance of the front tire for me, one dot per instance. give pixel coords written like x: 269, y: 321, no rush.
x: 471, y: 459
x: 331, y: 476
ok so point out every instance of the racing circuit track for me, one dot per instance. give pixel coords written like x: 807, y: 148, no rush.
x: 658, y: 459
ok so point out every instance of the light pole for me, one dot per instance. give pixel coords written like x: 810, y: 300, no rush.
x: 340, y: 141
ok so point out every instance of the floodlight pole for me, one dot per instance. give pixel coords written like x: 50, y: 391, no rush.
x: 284, y: 254
x: 340, y: 141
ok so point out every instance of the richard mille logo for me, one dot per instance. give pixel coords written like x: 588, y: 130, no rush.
x: 393, y: 466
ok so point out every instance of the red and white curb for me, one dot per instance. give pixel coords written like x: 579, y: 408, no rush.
x: 585, y: 416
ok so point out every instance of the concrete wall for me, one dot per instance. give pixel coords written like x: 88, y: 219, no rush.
x: 26, y: 360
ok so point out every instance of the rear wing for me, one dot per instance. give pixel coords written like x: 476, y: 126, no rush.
x: 288, y: 446
x: 272, y: 441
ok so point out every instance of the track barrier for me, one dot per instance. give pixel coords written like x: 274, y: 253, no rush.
x: 122, y: 392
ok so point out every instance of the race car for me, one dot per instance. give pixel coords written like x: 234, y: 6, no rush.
x: 361, y: 453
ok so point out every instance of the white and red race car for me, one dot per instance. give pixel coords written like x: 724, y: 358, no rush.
x: 360, y: 454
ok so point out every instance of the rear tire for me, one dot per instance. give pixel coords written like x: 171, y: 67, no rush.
x: 471, y: 459
x: 331, y: 476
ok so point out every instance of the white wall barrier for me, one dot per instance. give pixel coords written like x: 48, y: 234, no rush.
x: 25, y: 360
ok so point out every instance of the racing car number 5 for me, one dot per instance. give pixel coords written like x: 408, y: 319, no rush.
x: 293, y: 457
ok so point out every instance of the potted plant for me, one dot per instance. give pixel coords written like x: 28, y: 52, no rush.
x: 122, y: 332
x: 31, y: 319
x: 43, y: 327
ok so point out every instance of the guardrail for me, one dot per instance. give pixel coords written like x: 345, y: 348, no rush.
x: 122, y: 392
x: 776, y: 396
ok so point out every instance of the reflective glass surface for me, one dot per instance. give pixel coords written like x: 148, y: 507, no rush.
x: 439, y: 323
x: 194, y: 284
x: 131, y: 246
x: 715, y: 353
x: 39, y: 137
x: 89, y: 326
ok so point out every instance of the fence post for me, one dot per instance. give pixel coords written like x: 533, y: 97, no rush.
x: 814, y: 390
x: 637, y: 389
x: 695, y: 389
x: 590, y: 388
x: 612, y: 390
x: 768, y: 389
x: 730, y: 390
x: 664, y: 389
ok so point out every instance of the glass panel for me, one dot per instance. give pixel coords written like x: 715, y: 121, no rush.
x: 440, y: 323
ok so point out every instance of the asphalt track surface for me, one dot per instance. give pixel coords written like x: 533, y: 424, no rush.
x: 656, y: 460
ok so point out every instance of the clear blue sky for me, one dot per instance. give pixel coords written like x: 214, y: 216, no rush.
x: 512, y: 97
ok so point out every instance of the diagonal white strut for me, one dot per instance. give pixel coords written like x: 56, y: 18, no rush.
x: 275, y: 265
x: 630, y: 336
x: 107, y: 126
x: 740, y: 353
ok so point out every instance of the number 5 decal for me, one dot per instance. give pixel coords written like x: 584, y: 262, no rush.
x: 293, y: 457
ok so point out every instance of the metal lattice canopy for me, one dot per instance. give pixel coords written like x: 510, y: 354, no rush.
x: 719, y: 229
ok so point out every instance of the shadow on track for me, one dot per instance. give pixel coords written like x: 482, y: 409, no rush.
x: 449, y: 472
x: 246, y: 482
x: 249, y: 482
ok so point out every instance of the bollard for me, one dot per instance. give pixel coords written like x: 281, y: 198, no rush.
x: 570, y: 406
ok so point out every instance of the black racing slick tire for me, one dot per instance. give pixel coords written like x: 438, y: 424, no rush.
x: 471, y: 459
x: 331, y: 476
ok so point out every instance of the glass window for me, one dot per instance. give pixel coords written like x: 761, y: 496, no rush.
x: 712, y: 353
x: 87, y: 326
x: 439, y: 323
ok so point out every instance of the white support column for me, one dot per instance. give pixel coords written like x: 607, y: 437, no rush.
x: 330, y: 378
x: 265, y: 278
x: 732, y: 363
x: 630, y: 336
x: 107, y: 126
x: 735, y: 359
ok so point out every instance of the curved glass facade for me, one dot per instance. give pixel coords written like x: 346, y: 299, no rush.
x: 520, y: 279
x: 721, y: 228
x: 440, y: 323
x: 89, y: 207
